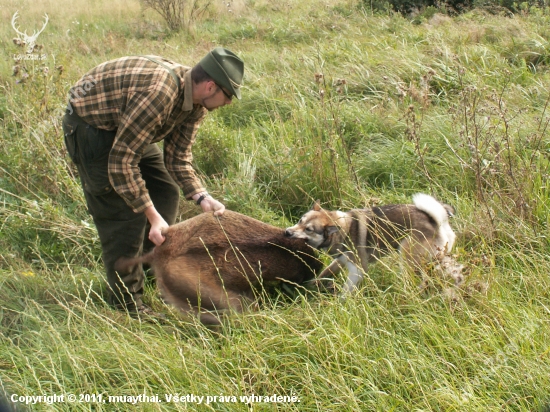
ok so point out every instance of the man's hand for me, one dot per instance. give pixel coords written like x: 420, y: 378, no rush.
x: 209, y: 204
x: 157, y: 225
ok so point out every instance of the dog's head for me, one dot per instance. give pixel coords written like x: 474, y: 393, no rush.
x: 319, y: 227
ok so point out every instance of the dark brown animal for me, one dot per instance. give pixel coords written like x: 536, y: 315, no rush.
x: 208, y: 264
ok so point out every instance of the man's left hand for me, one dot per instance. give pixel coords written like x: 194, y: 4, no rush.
x: 210, y: 204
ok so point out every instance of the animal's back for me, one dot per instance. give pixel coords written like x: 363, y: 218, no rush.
x: 231, y: 228
x: 238, y: 249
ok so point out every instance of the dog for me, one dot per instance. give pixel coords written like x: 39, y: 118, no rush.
x: 358, y: 237
x: 208, y: 265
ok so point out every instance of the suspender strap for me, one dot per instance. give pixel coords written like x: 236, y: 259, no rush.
x: 176, y: 78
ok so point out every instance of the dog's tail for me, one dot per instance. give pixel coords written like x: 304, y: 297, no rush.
x: 438, y: 211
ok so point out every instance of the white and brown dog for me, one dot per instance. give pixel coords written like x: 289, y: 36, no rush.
x: 358, y: 237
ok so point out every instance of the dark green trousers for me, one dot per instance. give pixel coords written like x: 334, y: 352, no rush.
x: 121, y: 231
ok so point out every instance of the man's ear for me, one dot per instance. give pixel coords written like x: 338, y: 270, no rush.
x: 211, y: 85
x: 316, y: 205
x: 206, y: 86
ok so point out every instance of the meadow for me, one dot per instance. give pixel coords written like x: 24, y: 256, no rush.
x: 340, y: 104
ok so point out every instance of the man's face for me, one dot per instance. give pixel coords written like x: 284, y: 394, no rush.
x: 215, y: 97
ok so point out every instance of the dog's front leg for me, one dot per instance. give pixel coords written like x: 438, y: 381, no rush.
x: 355, y: 276
x: 334, y: 268
x: 325, y: 279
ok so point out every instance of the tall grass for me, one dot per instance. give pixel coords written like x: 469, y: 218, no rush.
x: 338, y: 105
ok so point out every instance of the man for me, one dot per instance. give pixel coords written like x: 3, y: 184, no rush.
x: 116, y: 114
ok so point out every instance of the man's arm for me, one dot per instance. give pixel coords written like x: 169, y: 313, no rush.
x: 179, y: 158
x: 139, y: 123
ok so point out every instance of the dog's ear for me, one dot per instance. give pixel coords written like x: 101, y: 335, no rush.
x: 316, y: 205
x: 329, y: 230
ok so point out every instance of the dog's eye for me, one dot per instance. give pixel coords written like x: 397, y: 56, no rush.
x: 310, y: 229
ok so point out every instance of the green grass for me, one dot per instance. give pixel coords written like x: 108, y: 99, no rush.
x: 456, y: 107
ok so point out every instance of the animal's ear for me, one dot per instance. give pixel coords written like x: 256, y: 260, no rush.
x: 329, y: 230
x: 316, y: 205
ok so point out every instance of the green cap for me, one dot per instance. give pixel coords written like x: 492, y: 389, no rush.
x: 225, y: 68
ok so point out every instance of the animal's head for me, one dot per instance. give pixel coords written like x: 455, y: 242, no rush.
x: 318, y: 227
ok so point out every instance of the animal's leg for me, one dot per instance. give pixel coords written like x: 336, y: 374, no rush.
x: 416, y: 253
x: 355, y: 276
x: 216, y: 304
x: 333, y: 269
x: 329, y: 272
x: 206, y: 318
x: 196, y: 290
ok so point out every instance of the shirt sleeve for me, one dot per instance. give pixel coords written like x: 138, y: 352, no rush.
x: 141, y: 118
x: 177, y: 153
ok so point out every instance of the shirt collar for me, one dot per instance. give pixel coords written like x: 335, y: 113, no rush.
x: 187, y: 92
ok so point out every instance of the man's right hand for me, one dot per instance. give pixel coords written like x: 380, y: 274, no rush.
x: 158, y: 224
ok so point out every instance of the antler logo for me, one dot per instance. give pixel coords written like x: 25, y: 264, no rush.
x: 24, y: 38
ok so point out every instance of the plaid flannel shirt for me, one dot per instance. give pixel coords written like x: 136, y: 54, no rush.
x: 139, y: 99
